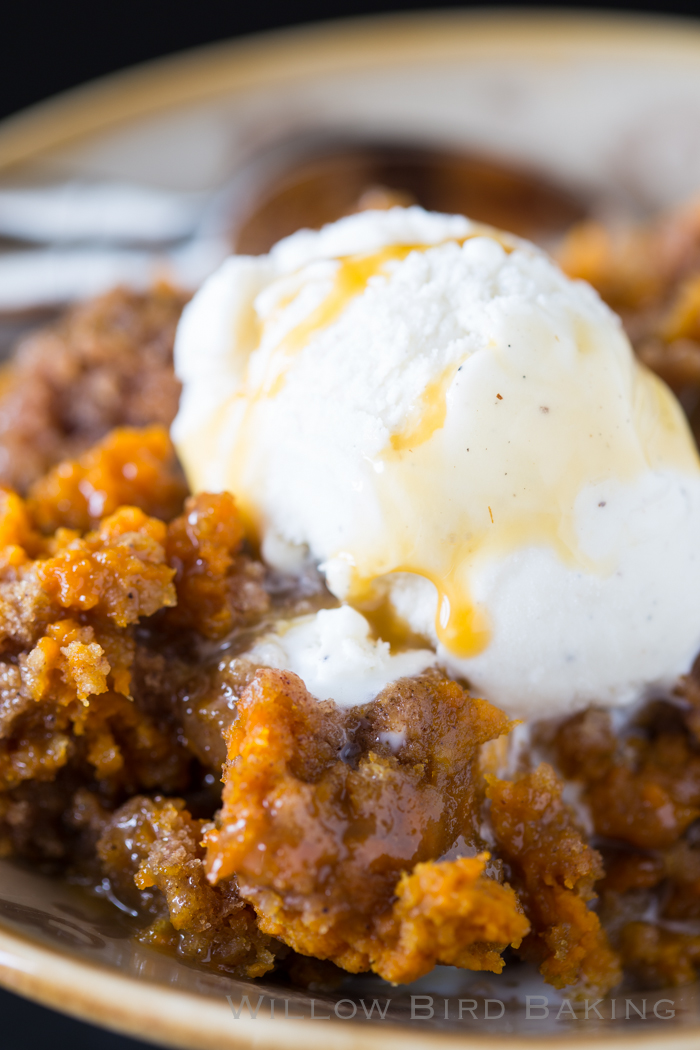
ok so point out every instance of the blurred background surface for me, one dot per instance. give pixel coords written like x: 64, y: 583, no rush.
x: 48, y: 46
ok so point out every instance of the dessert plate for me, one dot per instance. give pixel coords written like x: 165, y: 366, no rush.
x: 604, y: 105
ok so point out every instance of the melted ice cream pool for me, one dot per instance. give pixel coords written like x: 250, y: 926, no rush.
x: 462, y: 438
x: 335, y: 655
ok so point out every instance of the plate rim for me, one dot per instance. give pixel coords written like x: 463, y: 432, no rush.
x: 298, y: 52
x: 97, y: 994
x: 91, y: 991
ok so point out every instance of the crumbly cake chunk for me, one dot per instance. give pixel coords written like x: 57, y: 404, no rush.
x: 642, y: 789
x: 107, y: 363
x: 83, y: 609
x: 323, y: 824
x: 217, y: 588
x: 554, y: 871
x: 132, y: 467
x: 156, y: 843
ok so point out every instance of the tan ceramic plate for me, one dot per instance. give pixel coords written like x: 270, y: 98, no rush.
x: 608, y: 104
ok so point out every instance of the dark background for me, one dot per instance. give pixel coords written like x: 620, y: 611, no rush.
x: 47, y: 46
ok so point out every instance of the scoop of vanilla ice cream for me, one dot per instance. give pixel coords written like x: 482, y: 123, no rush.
x: 446, y: 423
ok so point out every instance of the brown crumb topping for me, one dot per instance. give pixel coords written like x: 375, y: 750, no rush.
x: 107, y: 363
